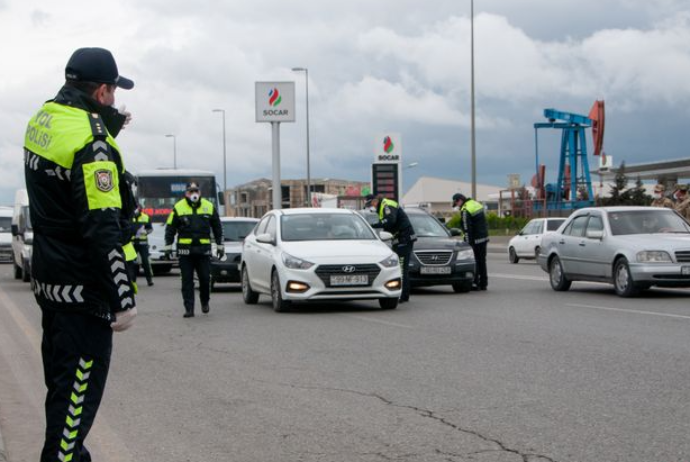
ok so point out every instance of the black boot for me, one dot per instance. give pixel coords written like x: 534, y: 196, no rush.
x: 205, y: 308
x: 188, y: 313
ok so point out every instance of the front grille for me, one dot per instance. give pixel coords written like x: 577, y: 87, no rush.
x: 683, y: 256
x: 324, y: 272
x: 434, y: 257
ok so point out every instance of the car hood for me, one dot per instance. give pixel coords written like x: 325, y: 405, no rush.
x: 439, y: 243
x: 5, y: 238
x: 232, y: 247
x: 338, y: 251
x: 658, y: 241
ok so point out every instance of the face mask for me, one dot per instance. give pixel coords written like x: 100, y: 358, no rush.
x: 194, y: 197
x: 372, y: 209
x: 657, y: 195
x: 456, y: 208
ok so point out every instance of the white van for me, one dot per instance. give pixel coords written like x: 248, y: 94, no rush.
x: 5, y: 234
x: 22, y: 236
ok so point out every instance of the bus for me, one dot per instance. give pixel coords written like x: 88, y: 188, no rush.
x: 157, y: 193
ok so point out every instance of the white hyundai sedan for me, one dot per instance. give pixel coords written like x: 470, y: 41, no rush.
x: 318, y: 254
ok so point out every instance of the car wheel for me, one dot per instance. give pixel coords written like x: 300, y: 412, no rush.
x: 17, y: 271
x: 250, y: 297
x: 26, y: 273
x: 559, y: 282
x: 388, y: 303
x: 622, y: 279
x: 462, y: 287
x: 512, y: 256
x: 279, y: 305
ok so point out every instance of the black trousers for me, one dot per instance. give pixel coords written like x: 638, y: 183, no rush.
x: 142, y: 249
x: 404, y: 252
x: 481, y: 279
x: 202, y: 265
x: 76, y: 351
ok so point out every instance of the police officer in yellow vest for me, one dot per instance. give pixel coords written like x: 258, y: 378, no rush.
x: 392, y: 218
x: 141, y: 228
x: 193, y: 219
x: 79, y: 201
x: 476, y: 233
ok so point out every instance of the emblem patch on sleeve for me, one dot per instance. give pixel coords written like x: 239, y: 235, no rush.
x: 104, y: 180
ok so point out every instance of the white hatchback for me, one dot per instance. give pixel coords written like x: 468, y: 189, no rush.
x: 318, y: 254
x: 528, y: 241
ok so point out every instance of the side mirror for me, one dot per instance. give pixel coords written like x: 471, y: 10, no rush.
x: 265, y: 239
x: 385, y: 236
x: 455, y: 232
x: 595, y: 234
x: 221, y: 198
x: 15, y: 230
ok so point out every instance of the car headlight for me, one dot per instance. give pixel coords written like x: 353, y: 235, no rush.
x: 390, y: 261
x: 653, y: 256
x: 467, y: 254
x: 295, y: 263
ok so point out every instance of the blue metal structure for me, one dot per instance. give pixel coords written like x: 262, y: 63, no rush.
x: 576, y: 191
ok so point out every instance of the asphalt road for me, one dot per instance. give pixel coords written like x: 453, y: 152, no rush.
x: 517, y: 373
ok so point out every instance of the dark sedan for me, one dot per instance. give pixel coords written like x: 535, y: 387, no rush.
x: 234, y: 232
x: 439, y: 258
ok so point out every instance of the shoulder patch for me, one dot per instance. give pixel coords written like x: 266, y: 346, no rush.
x: 104, y: 180
x: 387, y: 211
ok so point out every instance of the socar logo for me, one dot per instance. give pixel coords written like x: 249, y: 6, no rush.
x: 388, y: 145
x: 274, y: 97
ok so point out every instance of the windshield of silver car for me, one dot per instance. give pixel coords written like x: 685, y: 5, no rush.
x: 649, y: 221
x: 324, y: 227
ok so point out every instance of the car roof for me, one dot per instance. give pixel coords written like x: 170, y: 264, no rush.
x: 317, y: 211
x: 239, y: 219
x: 618, y: 208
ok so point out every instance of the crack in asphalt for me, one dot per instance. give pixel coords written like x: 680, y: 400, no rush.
x: 526, y: 457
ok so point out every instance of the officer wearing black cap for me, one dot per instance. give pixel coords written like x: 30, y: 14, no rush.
x: 392, y: 218
x: 476, y: 233
x: 195, y: 220
x: 80, y: 207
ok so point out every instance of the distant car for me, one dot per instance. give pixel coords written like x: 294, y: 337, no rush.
x: 438, y: 258
x: 6, y: 234
x: 318, y: 254
x: 234, y: 232
x: 528, y: 241
x: 22, y: 236
x: 633, y: 248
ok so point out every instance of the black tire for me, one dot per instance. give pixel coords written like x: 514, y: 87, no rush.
x: 462, y: 287
x: 622, y: 279
x: 279, y: 305
x: 26, y: 273
x: 388, y: 303
x: 559, y: 282
x: 512, y: 256
x: 17, y: 271
x: 250, y: 297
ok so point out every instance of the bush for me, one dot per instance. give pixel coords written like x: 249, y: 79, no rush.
x: 493, y: 221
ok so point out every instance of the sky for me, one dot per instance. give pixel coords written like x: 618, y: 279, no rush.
x: 375, y: 66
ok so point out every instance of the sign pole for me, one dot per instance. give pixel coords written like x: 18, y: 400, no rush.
x: 277, y: 190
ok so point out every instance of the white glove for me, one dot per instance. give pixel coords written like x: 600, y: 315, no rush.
x: 124, y: 320
x: 123, y: 110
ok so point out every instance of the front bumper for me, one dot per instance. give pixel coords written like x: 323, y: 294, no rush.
x: 460, y: 271
x: 227, y: 270
x: 661, y: 274
x: 6, y: 252
x: 318, y: 289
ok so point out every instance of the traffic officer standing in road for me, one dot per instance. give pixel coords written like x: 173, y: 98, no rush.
x: 660, y: 200
x: 193, y: 219
x: 141, y: 228
x: 682, y: 205
x: 74, y: 177
x: 476, y: 233
x: 392, y: 218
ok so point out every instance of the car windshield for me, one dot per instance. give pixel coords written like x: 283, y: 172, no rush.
x: 324, y: 227
x: 649, y: 221
x: 425, y: 225
x: 5, y: 224
x: 236, y: 231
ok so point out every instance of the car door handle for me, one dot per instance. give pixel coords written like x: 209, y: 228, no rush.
x: 562, y: 241
x: 582, y: 244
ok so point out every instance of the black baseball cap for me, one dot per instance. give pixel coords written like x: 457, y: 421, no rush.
x: 95, y: 65
x: 459, y: 197
x: 369, y: 199
x: 192, y: 186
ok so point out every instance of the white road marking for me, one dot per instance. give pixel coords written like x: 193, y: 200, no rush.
x: 379, y: 321
x: 624, y: 310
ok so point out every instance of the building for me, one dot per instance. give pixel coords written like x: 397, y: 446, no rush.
x: 253, y: 199
x: 436, y: 194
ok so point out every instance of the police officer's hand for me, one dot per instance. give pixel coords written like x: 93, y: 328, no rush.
x: 220, y: 252
x: 124, y: 320
x: 167, y: 252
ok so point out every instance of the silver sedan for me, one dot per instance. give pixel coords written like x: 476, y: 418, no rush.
x: 633, y: 248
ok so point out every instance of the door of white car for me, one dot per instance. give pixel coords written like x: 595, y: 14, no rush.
x: 251, y: 252
x: 592, y: 255
x: 569, y: 247
x: 529, y: 238
x: 264, y: 256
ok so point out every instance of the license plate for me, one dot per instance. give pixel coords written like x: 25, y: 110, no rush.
x: 435, y: 270
x: 685, y: 270
x: 350, y: 280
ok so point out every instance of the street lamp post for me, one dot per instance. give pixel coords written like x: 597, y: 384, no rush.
x: 225, y: 159
x: 473, y: 148
x: 174, y: 150
x: 306, y: 81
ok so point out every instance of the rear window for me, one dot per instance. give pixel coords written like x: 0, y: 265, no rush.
x: 553, y: 225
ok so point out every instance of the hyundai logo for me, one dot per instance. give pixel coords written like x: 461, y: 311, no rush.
x: 349, y: 269
x: 434, y: 258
